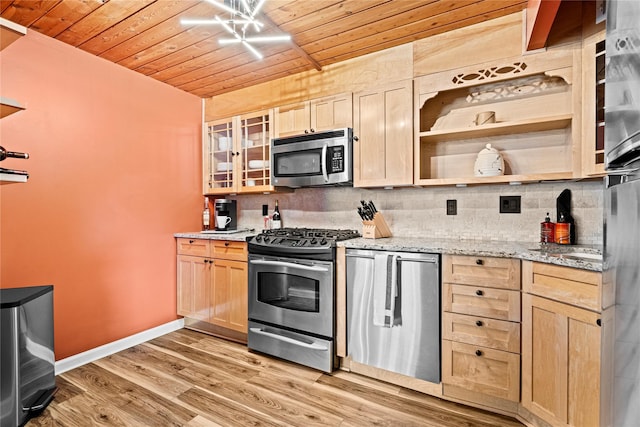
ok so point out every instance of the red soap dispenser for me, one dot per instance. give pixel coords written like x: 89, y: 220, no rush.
x: 547, y: 230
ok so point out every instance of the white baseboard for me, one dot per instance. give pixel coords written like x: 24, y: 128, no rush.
x: 89, y: 356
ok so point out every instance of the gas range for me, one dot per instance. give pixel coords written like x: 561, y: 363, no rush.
x: 316, y: 243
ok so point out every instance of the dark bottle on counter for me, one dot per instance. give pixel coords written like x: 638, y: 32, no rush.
x: 206, y: 215
x: 4, y: 154
x: 547, y: 230
x: 276, y: 220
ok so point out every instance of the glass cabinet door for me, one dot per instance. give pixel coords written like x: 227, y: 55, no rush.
x: 255, y: 155
x: 219, y: 161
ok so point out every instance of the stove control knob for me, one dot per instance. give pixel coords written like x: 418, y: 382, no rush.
x: 258, y: 239
x: 266, y: 239
x: 323, y: 241
x: 314, y: 241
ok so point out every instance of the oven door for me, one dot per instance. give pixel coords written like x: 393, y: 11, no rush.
x: 291, y: 293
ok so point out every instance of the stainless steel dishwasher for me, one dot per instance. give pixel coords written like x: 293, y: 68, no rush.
x: 393, y: 311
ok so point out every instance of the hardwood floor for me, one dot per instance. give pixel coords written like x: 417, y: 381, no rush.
x: 186, y: 378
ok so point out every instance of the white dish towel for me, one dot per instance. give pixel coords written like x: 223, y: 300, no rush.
x: 385, y: 289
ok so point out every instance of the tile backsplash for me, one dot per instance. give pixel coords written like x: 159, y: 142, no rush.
x: 422, y: 211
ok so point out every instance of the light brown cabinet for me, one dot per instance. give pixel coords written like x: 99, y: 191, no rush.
x: 327, y: 113
x: 566, y: 348
x: 593, y: 84
x: 236, y: 154
x: 536, y: 127
x: 481, y: 330
x: 212, y: 286
x: 383, y: 124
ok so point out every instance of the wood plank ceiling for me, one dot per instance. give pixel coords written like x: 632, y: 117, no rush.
x: 147, y: 36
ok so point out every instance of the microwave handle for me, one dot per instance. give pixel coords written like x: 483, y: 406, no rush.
x: 323, y: 163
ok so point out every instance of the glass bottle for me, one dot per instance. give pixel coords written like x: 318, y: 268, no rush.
x: 562, y: 230
x: 206, y: 215
x: 547, y: 230
x: 276, y: 221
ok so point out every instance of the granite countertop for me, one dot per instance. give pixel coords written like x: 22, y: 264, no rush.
x: 238, y: 236
x: 551, y: 254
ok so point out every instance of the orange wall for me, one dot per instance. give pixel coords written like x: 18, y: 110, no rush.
x: 114, y: 172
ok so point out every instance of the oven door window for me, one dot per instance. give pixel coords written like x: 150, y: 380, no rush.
x: 298, y: 163
x: 289, y: 291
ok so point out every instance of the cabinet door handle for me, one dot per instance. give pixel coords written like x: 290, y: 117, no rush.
x: 599, y: 322
x: 478, y: 353
x: 191, y: 241
x: 226, y: 243
x: 479, y: 262
x: 479, y: 292
x: 478, y: 322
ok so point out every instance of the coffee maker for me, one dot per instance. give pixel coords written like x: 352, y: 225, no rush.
x: 225, y: 215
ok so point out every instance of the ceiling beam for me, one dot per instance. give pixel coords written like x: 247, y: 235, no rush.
x: 540, y: 17
x: 294, y: 45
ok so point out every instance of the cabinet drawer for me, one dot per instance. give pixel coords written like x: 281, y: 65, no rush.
x: 481, y: 271
x: 482, y: 370
x: 229, y: 249
x: 499, y: 304
x: 481, y: 331
x: 581, y: 288
x: 195, y: 247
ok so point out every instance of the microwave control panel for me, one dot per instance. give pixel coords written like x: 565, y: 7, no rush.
x: 335, y: 161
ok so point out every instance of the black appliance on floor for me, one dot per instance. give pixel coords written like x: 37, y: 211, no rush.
x: 27, y: 362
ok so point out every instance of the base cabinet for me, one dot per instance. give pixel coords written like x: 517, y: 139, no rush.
x: 566, y: 349
x: 212, y: 286
x: 481, y: 331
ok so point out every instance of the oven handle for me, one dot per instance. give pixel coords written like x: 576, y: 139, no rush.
x: 288, y: 264
x: 323, y: 162
x: 312, y: 346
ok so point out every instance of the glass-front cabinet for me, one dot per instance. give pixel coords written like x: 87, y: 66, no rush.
x: 236, y: 154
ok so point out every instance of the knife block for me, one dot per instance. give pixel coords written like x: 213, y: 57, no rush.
x: 375, y: 228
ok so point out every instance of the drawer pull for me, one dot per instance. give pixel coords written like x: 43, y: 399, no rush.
x: 479, y: 262
x: 479, y: 292
x: 191, y: 241
x: 478, y: 353
x: 478, y: 322
x: 226, y: 243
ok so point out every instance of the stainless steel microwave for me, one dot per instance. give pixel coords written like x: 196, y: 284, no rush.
x: 313, y: 159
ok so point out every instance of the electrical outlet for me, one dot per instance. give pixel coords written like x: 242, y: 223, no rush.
x: 452, y: 207
x: 509, y: 204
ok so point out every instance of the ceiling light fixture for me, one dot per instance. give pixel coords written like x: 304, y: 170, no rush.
x: 243, y: 18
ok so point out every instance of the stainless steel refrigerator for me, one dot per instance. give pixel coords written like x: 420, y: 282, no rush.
x: 622, y: 200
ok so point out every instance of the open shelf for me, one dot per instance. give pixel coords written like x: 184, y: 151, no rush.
x: 9, y: 178
x: 498, y: 129
x: 9, y: 106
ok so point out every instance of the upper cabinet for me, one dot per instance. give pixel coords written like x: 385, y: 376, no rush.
x: 383, y: 124
x: 534, y: 121
x: 593, y: 82
x: 332, y: 112
x: 236, y: 154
